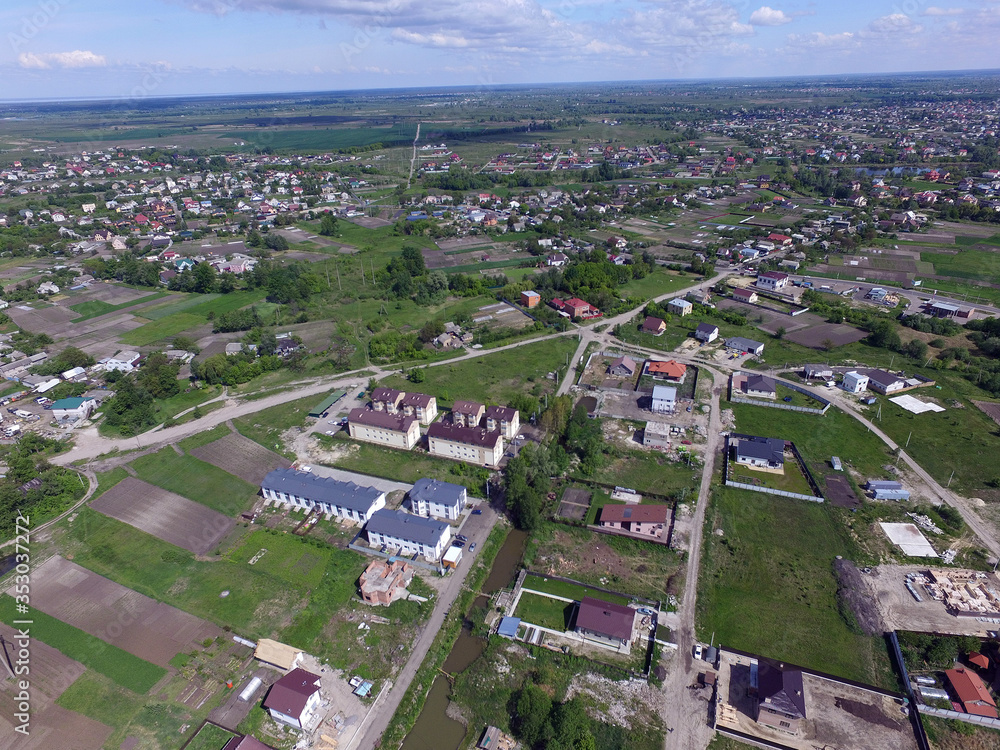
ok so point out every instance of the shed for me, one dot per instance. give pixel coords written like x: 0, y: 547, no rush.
x: 318, y: 410
x: 509, y: 626
x: 277, y: 654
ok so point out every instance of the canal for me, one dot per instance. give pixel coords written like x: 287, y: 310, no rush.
x: 434, y: 729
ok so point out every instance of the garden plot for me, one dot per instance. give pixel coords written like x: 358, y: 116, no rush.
x: 52, y: 726
x: 163, y: 514
x: 241, y: 457
x: 118, y: 615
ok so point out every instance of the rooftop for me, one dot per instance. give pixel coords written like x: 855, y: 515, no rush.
x: 611, y: 620
x: 290, y: 694
x: 402, y: 525
x: 466, y: 435
x: 434, y: 490
x: 386, y: 421
x: 622, y: 513
x: 322, y: 489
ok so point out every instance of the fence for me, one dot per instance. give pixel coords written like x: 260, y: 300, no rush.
x: 944, y: 713
x: 772, y: 491
x: 817, y: 498
x: 777, y: 404
x: 918, y: 726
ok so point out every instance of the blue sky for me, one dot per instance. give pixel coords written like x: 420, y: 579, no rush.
x: 142, y: 48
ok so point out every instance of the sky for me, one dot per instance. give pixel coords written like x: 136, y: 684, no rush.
x: 150, y: 48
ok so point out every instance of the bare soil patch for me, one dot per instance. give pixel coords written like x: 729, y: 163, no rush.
x: 838, y: 333
x: 990, y: 408
x: 839, y: 492
x: 135, y: 623
x: 241, y: 457
x: 854, y: 594
x: 574, y: 504
x: 163, y: 514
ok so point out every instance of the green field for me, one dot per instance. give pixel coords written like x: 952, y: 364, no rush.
x: 97, y: 697
x: 657, y: 283
x: 131, y: 672
x: 967, y: 264
x: 545, y: 611
x: 95, y: 308
x: 493, y: 378
x: 266, y: 426
x: 767, y: 585
x: 196, y: 480
x: 320, y: 139
x: 965, y: 241
x: 158, y: 330
x: 287, y: 558
x: 646, y: 471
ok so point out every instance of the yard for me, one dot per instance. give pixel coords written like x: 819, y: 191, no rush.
x: 658, y: 283
x: 545, y: 611
x: 768, y: 587
x: 267, y: 426
x: 647, y: 472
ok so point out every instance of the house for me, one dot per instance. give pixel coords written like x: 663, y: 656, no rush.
x: 385, y: 581
x: 419, y: 405
x: 641, y: 520
x: 664, y: 399
x: 670, y: 370
x: 294, y: 698
x: 432, y: 497
x: 887, y: 490
x: 409, y: 534
x: 393, y: 430
x: 577, y: 309
x: 72, y: 408
x: 971, y: 692
x: 302, y: 489
x: 854, y: 382
x: 122, y: 361
x: 557, y: 260
x: 476, y: 445
x: 505, y: 419
x: 623, y: 367
x: 976, y: 659
x: 47, y: 287
x: 759, y: 386
x: 603, y: 621
x: 745, y: 345
x: 656, y: 435
x: 772, y: 281
x: 387, y: 400
x: 680, y: 306
x: 467, y: 413
x: 652, y: 325
x: 885, y: 382
x: 818, y: 372
x: 706, y: 332
x: 942, y: 310
x: 745, y: 295
x: 761, y: 453
x: 530, y: 299
x: 781, y: 702
x: 277, y: 654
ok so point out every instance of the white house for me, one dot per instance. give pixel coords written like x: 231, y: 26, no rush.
x: 294, y: 698
x: 706, y: 332
x: 301, y: 489
x: 409, y: 534
x: 430, y: 497
x: 72, y: 408
x: 772, y: 280
x: 680, y: 306
x: 855, y: 382
x: 503, y: 418
x: 122, y: 361
x: 885, y: 382
x: 664, y: 399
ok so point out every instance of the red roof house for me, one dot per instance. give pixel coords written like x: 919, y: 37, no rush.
x: 971, y: 692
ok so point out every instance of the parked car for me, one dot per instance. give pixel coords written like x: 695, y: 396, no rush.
x: 697, y: 651
x: 477, y: 512
x: 472, y: 547
x: 689, y: 408
x: 457, y: 543
x: 344, y: 421
x: 462, y: 538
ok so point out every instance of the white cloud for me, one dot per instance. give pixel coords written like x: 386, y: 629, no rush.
x: 767, y: 16
x: 75, y: 59
x: 935, y: 11
x: 896, y: 23
x: 821, y: 40
x: 430, y: 40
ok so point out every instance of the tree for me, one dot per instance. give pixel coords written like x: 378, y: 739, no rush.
x: 780, y: 333
x: 531, y: 716
x: 431, y: 330
x: 328, y: 225
x: 204, y: 278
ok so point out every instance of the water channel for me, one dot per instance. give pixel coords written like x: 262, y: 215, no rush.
x: 434, y: 729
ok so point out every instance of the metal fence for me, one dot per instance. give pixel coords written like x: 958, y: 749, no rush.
x: 944, y: 713
x: 772, y: 491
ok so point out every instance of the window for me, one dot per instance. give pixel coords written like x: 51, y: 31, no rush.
x: 784, y: 724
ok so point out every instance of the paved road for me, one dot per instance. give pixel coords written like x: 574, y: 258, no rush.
x: 477, y: 529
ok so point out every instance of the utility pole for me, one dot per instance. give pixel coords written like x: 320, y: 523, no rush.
x: 337, y: 266
x: 908, y: 439
x: 950, y: 478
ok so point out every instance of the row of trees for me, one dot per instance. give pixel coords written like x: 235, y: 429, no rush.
x: 57, y: 487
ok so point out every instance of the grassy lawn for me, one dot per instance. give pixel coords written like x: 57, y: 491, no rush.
x: 574, y: 591
x: 963, y: 440
x: 791, y: 481
x: 160, y: 329
x: 126, y: 670
x: 768, y: 587
x: 818, y: 437
x: 203, y: 438
x: 797, y: 398
x: 658, y: 282
x: 493, y: 378
x: 266, y: 426
x: 545, y: 612
x: 287, y: 557
x: 210, y: 737
x: 99, y: 698
x: 403, y: 466
x: 967, y: 264
x: 196, y: 480
x: 647, y: 471
x: 168, y: 408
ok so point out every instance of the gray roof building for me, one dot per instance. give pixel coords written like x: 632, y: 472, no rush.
x: 435, y: 491
x: 771, y: 450
x: 325, y: 490
x: 401, y: 525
